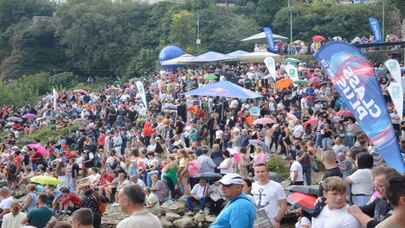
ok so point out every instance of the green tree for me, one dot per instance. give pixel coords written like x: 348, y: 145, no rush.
x: 183, y: 29
x: 267, y: 9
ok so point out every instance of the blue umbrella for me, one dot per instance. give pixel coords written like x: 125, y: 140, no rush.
x: 223, y: 89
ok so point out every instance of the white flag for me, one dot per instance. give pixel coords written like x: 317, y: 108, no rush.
x: 395, y: 88
x: 271, y: 67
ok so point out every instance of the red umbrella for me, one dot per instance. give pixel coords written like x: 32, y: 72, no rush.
x: 264, y: 121
x: 311, y: 121
x: 318, y: 38
x: 302, y: 200
x: 344, y: 113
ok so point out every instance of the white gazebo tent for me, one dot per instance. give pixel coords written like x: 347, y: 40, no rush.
x: 261, y: 37
x: 257, y: 57
x: 182, y: 60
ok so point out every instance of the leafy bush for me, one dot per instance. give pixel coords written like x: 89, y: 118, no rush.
x: 278, y: 165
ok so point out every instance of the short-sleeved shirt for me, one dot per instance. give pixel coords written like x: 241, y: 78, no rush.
x: 268, y: 195
x: 39, y: 217
x: 6, y: 203
x: 362, y: 182
x: 336, y: 218
x: 297, y: 167
x: 141, y: 219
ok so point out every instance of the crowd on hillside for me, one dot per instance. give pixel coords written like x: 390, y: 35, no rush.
x: 139, y: 155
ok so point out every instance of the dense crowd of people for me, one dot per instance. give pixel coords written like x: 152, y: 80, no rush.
x: 142, y: 155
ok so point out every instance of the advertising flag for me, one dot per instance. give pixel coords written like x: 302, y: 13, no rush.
x: 141, y: 91
x: 395, y: 88
x: 271, y: 67
x: 376, y: 28
x: 292, y: 72
x: 269, y: 36
x: 354, y: 79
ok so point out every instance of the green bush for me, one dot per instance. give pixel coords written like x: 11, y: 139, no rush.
x: 278, y: 165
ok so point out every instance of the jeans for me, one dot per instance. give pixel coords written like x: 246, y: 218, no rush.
x: 149, y: 177
x: 360, y: 200
x: 307, y: 175
x: 190, y: 201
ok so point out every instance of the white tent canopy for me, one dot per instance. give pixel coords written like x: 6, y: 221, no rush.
x: 257, y: 57
x: 261, y: 37
x: 183, y: 59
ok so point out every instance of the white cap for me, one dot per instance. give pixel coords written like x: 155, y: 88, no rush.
x: 231, y: 178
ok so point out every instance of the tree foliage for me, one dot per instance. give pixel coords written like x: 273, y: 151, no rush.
x: 122, y: 39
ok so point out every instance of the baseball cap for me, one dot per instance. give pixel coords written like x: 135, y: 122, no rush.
x: 231, y: 178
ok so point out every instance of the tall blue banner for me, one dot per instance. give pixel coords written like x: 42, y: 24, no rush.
x: 376, y: 28
x: 269, y: 36
x: 354, y: 79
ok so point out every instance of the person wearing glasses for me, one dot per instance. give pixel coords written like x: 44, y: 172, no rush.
x: 240, y: 211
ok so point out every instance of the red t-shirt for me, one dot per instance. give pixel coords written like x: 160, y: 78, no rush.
x: 70, y: 198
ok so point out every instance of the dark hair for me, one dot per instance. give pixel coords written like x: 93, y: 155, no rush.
x: 248, y: 181
x: 84, y: 216
x: 227, y: 154
x: 42, y: 198
x: 365, y: 161
x: 61, y: 224
x: 134, y: 193
x: 395, y: 188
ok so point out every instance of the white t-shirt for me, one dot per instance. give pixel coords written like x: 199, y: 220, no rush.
x: 6, y: 203
x: 268, y: 195
x: 298, y: 131
x: 227, y: 166
x: 296, y: 167
x: 362, y: 182
x: 336, y: 218
x: 199, y: 190
x: 302, y: 221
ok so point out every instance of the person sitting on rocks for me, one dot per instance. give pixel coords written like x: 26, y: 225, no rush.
x: 199, y: 194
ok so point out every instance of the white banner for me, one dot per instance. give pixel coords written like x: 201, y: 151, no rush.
x: 271, y: 67
x: 292, y: 72
x: 141, y: 91
x: 395, y: 88
x: 55, y: 99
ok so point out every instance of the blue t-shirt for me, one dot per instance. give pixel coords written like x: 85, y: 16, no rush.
x: 239, y: 212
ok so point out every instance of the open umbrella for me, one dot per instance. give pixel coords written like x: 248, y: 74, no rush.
x: 209, y: 176
x: 39, y: 148
x: 210, y: 77
x: 292, y: 60
x: 312, y: 121
x: 284, y: 83
x: 344, y: 113
x: 302, y: 200
x: 29, y: 116
x: 318, y: 38
x: 45, y: 180
x: 15, y: 119
x: 264, y: 121
x: 301, y: 82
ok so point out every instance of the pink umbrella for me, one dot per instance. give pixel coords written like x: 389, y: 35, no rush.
x: 39, y: 148
x: 29, y: 116
x: 344, y: 113
x: 264, y: 121
x: 312, y: 121
x: 318, y: 38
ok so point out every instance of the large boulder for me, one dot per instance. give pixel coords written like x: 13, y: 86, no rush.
x: 177, y: 207
x: 170, y: 216
x: 184, y: 222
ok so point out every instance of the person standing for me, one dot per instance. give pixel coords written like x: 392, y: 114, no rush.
x: 132, y: 199
x: 82, y: 218
x: 296, y: 172
x: 269, y: 195
x: 395, y: 191
x: 40, y: 216
x: 15, y: 218
x: 335, y: 213
x: 240, y: 211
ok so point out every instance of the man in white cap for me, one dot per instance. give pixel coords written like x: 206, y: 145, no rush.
x: 240, y: 211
